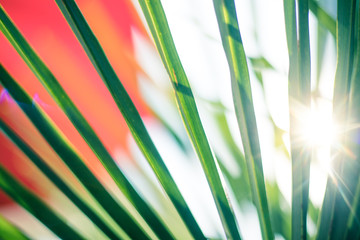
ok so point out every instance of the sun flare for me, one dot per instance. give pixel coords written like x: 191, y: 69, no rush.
x: 320, y: 132
x: 318, y: 128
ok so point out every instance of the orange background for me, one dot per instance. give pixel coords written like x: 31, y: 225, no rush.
x: 43, y: 25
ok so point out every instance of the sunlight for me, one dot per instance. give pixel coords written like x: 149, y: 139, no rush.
x: 318, y: 129
x: 320, y: 132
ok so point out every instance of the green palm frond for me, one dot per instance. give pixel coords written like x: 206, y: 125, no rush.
x: 233, y: 164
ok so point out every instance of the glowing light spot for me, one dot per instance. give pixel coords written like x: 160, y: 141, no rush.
x: 5, y: 96
x: 36, y: 99
x: 320, y: 132
x: 318, y: 129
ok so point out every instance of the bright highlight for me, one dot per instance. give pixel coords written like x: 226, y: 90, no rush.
x: 318, y: 128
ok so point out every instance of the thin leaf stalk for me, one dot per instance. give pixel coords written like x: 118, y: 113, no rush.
x: 244, y: 109
x: 301, y: 161
x: 159, y: 28
x: 299, y: 108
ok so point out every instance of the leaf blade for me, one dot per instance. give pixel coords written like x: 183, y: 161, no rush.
x: 42, y: 165
x: 62, y: 99
x: 302, y: 158
x: 35, y: 206
x: 70, y: 157
x: 299, y: 108
x: 345, y: 203
x: 244, y: 109
x: 128, y: 110
x: 10, y: 231
x: 323, y: 17
x: 333, y: 204
x: 160, y: 31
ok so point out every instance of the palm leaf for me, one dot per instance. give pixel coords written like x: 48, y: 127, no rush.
x: 42, y: 165
x: 240, y: 184
x: 299, y: 107
x: 127, y: 108
x: 9, y: 231
x: 352, y: 173
x: 323, y: 17
x: 347, y: 200
x: 240, y: 81
x: 339, y: 217
x: 160, y: 31
x: 84, y: 128
x: 334, y: 200
x: 70, y: 157
x: 302, y: 157
x: 35, y: 206
x: 353, y: 223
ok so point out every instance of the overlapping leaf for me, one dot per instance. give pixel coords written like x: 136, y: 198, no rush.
x: 160, y: 31
x: 42, y: 165
x: 89, y: 135
x: 70, y: 157
x: 244, y: 109
x: 335, y: 204
x: 35, y: 206
x: 9, y: 231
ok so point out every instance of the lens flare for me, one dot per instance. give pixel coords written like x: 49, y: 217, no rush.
x: 320, y: 132
x: 318, y: 128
